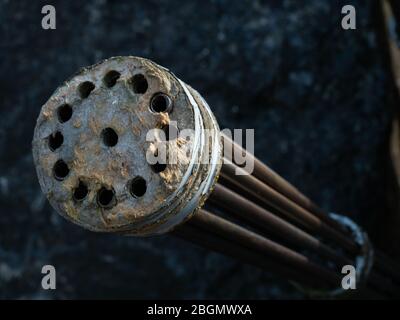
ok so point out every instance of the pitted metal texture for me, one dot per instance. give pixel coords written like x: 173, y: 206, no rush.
x: 91, y: 141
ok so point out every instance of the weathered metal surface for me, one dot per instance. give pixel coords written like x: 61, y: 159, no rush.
x: 97, y: 122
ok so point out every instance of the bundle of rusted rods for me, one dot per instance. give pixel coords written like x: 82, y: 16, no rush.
x: 263, y: 220
x: 90, y: 149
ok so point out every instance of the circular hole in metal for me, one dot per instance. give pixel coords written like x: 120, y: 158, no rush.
x: 81, y: 191
x: 110, y: 137
x: 139, y: 83
x: 171, y: 132
x: 60, y: 170
x: 55, y: 140
x: 64, y: 113
x: 111, y: 77
x: 137, y: 187
x: 161, y: 103
x: 158, y: 167
x: 106, y: 198
x: 85, y: 88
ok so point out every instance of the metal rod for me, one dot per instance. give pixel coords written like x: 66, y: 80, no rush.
x: 284, y: 206
x: 263, y: 246
x: 382, y: 263
x: 204, y: 238
x: 262, y: 219
x: 208, y: 230
x: 275, y: 181
x: 268, y: 176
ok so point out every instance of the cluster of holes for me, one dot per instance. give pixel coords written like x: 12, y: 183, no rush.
x: 55, y: 140
x: 106, y: 197
x: 137, y: 187
x: 161, y: 102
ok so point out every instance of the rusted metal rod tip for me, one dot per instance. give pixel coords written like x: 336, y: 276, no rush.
x: 93, y: 141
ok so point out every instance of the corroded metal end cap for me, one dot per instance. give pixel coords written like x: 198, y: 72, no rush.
x: 92, y: 145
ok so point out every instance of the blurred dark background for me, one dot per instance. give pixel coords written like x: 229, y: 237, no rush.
x: 314, y: 93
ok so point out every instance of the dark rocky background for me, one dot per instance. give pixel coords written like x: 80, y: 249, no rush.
x: 314, y: 93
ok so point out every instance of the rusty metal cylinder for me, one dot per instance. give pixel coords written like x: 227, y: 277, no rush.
x: 98, y: 140
x: 124, y: 146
